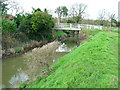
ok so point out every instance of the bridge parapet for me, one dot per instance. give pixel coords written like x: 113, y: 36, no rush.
x: 76, y: 26
x: 67, y: 25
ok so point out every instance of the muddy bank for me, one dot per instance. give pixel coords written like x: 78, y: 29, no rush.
x: 12, y: 52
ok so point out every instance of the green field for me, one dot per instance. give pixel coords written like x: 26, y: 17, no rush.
x: 94, y: 64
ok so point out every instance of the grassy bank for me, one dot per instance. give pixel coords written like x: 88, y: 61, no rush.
x: 94, y: 64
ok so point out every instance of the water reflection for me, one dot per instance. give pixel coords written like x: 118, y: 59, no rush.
x: 64, y: 48
x: 19, y: 77
x: 28, y: 66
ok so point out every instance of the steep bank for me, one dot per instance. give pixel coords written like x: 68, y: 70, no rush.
x: 93, y: 61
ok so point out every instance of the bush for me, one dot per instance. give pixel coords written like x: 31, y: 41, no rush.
x: 37, y: 26
x: 42, y: 24
x: 25, y: 25
x: 8, y: 26
x: 19, y: 19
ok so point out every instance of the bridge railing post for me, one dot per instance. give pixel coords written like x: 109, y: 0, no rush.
x: 78, y: 25
x: 70, y: 25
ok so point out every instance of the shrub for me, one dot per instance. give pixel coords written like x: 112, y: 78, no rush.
x: 25, y: 25
x: 8, y: 26
x: 19, y: 19
x: 42, y: 24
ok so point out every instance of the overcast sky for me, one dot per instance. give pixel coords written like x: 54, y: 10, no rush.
x: 94, y: 6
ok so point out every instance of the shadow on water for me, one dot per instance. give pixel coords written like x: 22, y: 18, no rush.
x: 28, y: 66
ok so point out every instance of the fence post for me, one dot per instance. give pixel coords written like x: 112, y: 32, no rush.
x: 78, y: 25
x: 70, y: 25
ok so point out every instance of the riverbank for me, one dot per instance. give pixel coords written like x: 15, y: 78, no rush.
x: 23, y: 48
x: 96, y: 61
x: 34, y: 63
x: 11, y: 52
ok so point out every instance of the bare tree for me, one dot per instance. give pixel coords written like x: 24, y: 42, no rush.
x: 102, y: 16
x: 78, y: 12
x: 14, y: 7
x: 72, y: 12
x: 59, y: 13
x: 111, y: 18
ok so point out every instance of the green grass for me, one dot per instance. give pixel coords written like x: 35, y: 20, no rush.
x: 91, y: 31
x: 59, y: 34
x: 116, y: 31
x: 108, y: 28
x: 94, y: 64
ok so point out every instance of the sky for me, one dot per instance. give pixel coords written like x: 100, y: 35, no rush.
x: 93, y: 6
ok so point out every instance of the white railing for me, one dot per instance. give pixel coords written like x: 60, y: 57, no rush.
x: 67, y: 25
x: 74, y: 25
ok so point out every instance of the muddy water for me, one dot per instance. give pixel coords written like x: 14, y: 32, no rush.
x: 31, y: 64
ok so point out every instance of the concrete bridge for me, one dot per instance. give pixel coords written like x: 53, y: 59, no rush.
x: 67, y: 26
x: 74, y: 26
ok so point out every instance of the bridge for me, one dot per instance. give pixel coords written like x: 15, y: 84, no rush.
x: 67, y: 26
x: 74, y: 26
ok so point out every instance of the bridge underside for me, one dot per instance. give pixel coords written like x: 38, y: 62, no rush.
x: 75, y: 29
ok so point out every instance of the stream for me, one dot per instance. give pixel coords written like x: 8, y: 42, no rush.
x: 23, y: 67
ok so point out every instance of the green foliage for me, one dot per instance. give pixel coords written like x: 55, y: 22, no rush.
x: 37, y: 26
x: 61, y: 11
x: 8, y: 26
x: 91, y: 32
x: 59, y: 34
x: 118, y: 24
x: 65, y: 11
x: 93, y: 61
x: 44, y: 70
x: 78, y: 19
x: 23, y: 85
x: 45, y: 10
x: 35, y: 10
x: 42, y: 24
x: 19, y: 19
x: 38, y: 79
x: 70, y: 21
x: 25, y: 25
